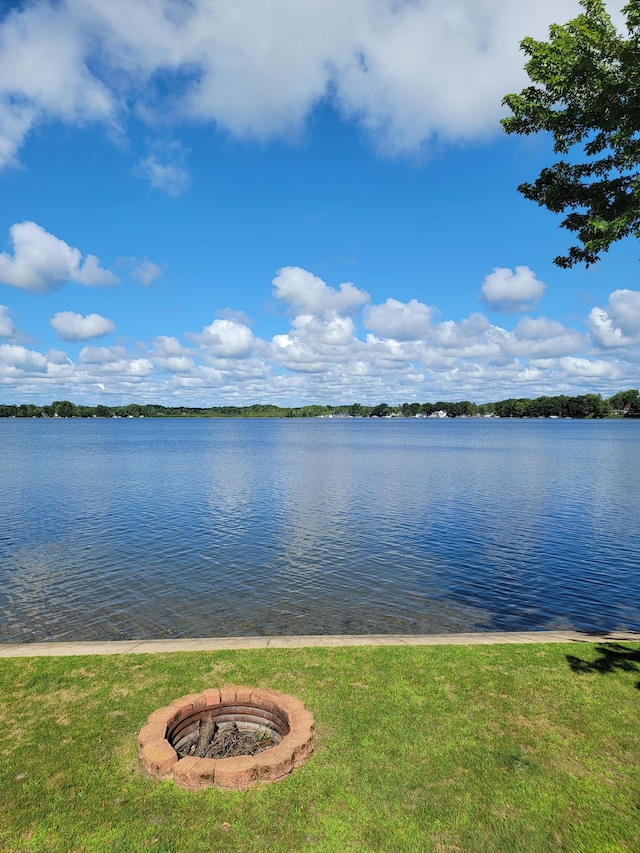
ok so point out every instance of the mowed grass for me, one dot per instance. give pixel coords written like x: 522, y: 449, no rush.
x: 436, y: 748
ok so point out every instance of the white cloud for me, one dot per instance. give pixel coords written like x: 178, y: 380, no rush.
x: 408, y: 72
x: 308, y: 294
x: 174, y: 364
x: 16, y: 358
x: 164, y: 168
x: 585, y: 368
x: 458, y: 337
x: 75, y: 327
x: 314, y: 345
x: 404, y: 321
x: 8, y: 329
x: 102, y: 355
x: 167, y: 346
x: 42, y: 262
x: 617, y: 325
x: 538, y: 328
x: 140, y: 367
x: 16, y: 121
x: 146, y: 272
x: 541, y: 337
x: 326, y: 354
x: 334, y: 331
x: 44, y: 73
x: 322, y: 334
x: 91, y: 275
x: 512, y: 292
x: 113, y: 362
x: 227, y: 338
x: 233, y: 314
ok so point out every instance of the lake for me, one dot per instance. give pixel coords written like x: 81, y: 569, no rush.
x: 134, y: 529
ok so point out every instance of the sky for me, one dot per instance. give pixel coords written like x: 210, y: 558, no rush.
x: 217, y: 202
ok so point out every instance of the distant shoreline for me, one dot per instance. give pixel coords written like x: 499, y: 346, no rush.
x: 624, y: 404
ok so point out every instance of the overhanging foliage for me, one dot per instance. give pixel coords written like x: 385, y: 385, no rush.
x: 586, y: 93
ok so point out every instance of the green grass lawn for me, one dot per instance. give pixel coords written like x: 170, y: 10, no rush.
x: 436, y: 748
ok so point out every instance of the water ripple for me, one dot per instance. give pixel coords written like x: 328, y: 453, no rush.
x: 137, y: 529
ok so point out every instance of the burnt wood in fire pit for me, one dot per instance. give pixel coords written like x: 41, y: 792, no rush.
x: 225, y: 741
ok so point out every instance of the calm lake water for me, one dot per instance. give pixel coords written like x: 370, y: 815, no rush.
x: 113, y: 529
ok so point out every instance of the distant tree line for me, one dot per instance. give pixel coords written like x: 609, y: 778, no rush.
x: 623, y: 404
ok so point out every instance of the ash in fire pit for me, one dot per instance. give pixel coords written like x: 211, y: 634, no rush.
x: 230, y: 738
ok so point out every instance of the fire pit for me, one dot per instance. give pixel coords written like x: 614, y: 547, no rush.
x: 230, y: 738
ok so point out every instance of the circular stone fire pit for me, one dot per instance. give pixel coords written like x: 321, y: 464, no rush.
x: 281, y: 726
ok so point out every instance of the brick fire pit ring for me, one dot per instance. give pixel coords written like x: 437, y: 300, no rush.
x: 283, y: 716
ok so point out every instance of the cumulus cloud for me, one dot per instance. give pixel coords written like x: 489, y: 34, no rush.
x: 458, y: 337
x: 404, y: 321
x: 164, y: 168
x: 15, y: 123
x: 91, y: 275
x: 75, y: 327
x: 408, y: 72
x: 538, y: 328
x: 541, y: 337
x: 574, y: 367
x: 167, y: 345
x: 174, y: 364
x: 314, y: 344
x: 44, y: 74
x: 8, y: 329
x: 618, y: 324
x: 102, y: 355
x: 226, y: 338
x: 146, y: 272
x: 333, y: 331
x: 18, y: 358
x: 42, y: 262
x: 114, y: 361
x: 334, y: 347
x: 512, y: 292
x: 308, y: 294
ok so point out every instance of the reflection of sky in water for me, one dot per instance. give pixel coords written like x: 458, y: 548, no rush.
x: 190, y: 528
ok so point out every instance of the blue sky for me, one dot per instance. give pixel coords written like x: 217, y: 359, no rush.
x: 208, y: 203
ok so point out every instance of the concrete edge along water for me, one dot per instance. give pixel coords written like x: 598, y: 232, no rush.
x: 201, y: 644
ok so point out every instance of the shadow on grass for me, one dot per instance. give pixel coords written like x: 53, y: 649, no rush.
x: 612, y: 657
